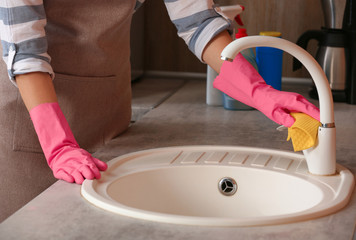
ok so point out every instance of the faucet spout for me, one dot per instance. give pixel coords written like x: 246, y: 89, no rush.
x: 321, y: 159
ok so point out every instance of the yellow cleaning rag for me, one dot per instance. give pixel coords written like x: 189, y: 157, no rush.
x: 303, y: 132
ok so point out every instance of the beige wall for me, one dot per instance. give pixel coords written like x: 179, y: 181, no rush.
x: 166, y: 52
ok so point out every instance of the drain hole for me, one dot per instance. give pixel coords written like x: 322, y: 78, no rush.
x: 227, y: 186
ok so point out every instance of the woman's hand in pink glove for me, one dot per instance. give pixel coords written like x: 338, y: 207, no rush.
x: 240, y: 80
x: 73, y: 164
x: 64, y: 156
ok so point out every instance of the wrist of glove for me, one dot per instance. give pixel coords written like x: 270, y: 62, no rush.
x: 240, y: 80
x: 64, y: 156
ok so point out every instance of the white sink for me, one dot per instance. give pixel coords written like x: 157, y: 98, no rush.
x: 181, y: 185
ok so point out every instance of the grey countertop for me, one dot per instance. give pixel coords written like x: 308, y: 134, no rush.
x: 174, y: 113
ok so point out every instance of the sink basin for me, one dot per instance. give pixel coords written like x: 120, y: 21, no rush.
x: 218, y: 186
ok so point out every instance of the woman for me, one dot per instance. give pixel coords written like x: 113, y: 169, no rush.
x: 73, y: 56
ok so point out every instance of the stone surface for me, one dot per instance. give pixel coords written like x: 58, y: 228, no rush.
x: 183, y: 119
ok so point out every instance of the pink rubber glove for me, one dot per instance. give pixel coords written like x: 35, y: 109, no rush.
x: 64, y: 156
x: 240, y: 80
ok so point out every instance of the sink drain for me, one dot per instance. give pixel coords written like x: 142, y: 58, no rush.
x: 227, y: 186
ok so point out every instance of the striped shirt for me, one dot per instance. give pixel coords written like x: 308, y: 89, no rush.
x: 24, y: 44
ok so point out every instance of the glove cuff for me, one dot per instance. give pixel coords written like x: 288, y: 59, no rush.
x: 52, y: 129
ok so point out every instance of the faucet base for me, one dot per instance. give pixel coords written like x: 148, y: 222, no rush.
x: 321, y: 159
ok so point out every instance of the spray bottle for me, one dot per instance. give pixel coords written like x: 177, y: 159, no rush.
x: 270, y: 61
x: 213, y: 96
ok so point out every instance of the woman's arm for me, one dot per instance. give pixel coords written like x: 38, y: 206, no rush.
x: 64, y: 156
x: 199, y: 23
x: 22, y: 25
x: 212, y: 51
x: 24, y: 46
x: 36, y: 88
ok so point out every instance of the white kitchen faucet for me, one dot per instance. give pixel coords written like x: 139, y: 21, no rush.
x: 321, y: 158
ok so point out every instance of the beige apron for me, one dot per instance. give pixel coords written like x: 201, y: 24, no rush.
x: 89, y: 46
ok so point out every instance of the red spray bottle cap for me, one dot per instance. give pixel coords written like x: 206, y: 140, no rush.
x: 238, y: 18
x: 241, y: 32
